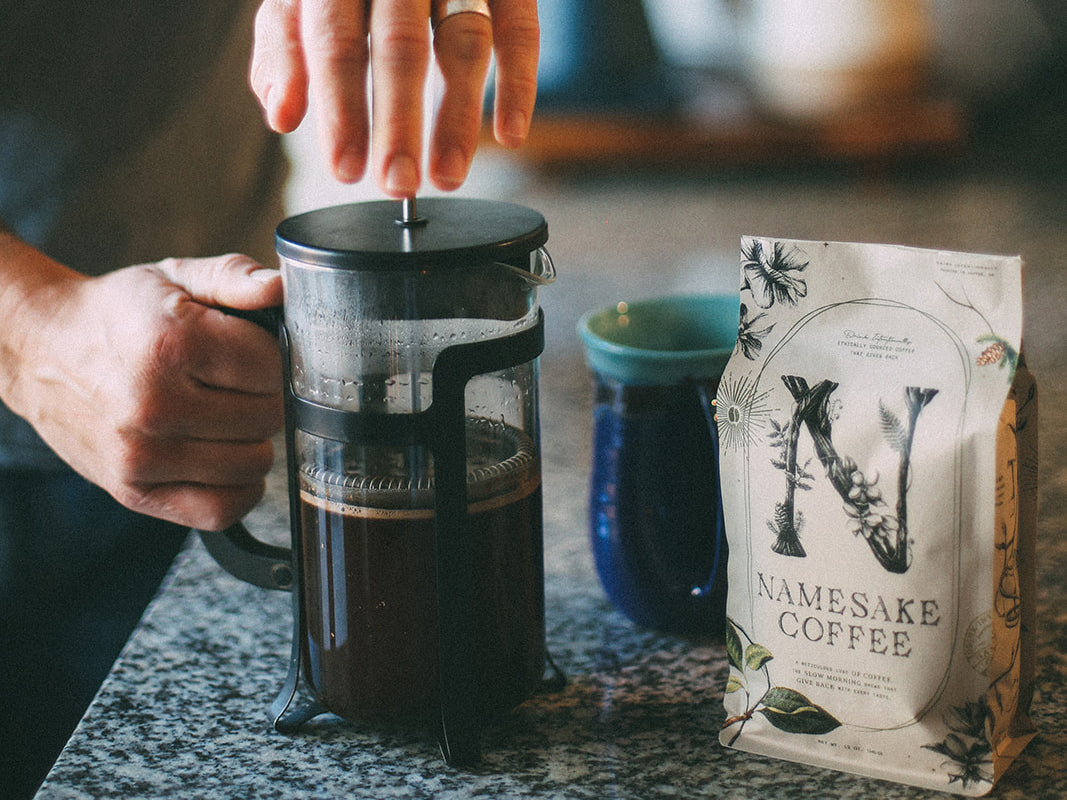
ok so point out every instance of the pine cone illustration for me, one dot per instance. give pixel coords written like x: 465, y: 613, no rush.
x: 991, y: 355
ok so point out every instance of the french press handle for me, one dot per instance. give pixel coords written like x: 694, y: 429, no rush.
x: 247, y: 558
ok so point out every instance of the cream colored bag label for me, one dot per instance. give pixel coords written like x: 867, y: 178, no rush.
x: 878, y: 463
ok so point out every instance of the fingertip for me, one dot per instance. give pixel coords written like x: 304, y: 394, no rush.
x: 277, y: 74
x: 449, y: 170
x: 282, y: 111
x: 253, y: 285
x: 350, y: 165
x: 267, y: 286
x: 512, y: 128
x: 516, y: 34
x: 400, y: 177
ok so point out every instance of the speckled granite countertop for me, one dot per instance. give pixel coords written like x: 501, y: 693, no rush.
x: 184, y: 712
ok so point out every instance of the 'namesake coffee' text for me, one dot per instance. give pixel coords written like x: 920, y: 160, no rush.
x: 831, y: 616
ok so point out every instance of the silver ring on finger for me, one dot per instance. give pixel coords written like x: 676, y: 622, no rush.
x: 440, y: 10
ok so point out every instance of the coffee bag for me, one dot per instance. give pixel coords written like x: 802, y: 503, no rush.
x: 878, y: 446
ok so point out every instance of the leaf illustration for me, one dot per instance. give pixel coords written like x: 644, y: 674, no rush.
x: 756, y: 655
x: 734, y: 684
x: 801, y: 479
x: 734, y: 648
x: 892, y: 429
x: 778, y: 433
x: 969, y: 718
x: 953, y: 747
x: 790, y: 711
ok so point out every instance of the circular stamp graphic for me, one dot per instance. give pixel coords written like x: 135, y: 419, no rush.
x: 978, y: 642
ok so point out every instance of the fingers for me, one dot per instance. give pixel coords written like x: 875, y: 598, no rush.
x: 183, y: 407
x: 516, y: 38
x: 277, y: 74
x: 334, y: 36
x: 463, y: 44
x: 326, y: 47
x: 400, y: 53
x: 193, y: 441
x: 166, y: 402
x: 204, y: 373
x: 321, y: 44
x: 198, y: 455
x: 227, y: 356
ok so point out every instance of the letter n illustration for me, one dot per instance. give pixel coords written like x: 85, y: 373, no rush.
x: 885, y: 533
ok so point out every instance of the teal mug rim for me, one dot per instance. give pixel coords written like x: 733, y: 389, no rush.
x: 634, y: 364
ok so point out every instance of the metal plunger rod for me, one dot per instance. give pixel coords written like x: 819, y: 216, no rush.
x: 409, y: 212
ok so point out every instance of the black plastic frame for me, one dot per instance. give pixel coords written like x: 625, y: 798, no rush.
x: 441, y: 427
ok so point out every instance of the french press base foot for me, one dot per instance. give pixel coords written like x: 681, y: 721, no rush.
x: 553, y: 680
x: 296, y: 705
x: 293, y: 708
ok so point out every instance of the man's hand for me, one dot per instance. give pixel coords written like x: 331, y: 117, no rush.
x: 143, y: 385
x: 327, y: 47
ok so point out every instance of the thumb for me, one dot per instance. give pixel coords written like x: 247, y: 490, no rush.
x: 230, y: 281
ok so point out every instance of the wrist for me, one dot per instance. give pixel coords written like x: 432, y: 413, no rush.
x: 31, y: 287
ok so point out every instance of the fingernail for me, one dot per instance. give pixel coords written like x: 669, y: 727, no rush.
x: 264, y: 275
x: 402, y: 177
x: 515, y: 127
x: 350, y: 166
x: 452, y: 168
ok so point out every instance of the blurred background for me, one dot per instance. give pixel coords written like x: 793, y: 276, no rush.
x: 730, y: 84
x: 666, y: 129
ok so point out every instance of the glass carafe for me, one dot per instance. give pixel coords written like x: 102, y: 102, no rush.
x: 412, y: 432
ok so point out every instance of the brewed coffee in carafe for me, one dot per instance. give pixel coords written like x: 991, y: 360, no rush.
x: 367, y: 516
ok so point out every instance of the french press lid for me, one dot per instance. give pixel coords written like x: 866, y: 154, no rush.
x: 393, y: 235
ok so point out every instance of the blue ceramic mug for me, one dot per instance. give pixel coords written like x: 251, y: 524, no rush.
x: 654, y: 503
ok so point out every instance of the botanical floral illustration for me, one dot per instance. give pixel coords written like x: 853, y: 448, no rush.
x: 967, y: 747
x: 749, y: 337
x: 886, y: 534
x: 770, y: 277
x: 786, y: 709
x: 998, y: 351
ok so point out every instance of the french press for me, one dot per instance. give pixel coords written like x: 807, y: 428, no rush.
x: 409, y: 341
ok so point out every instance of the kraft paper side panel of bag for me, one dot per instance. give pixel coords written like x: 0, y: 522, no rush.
x: 878, y: 463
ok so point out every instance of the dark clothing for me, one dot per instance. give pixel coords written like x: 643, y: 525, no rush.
x: 77, y: 573
x: 127, y: 134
